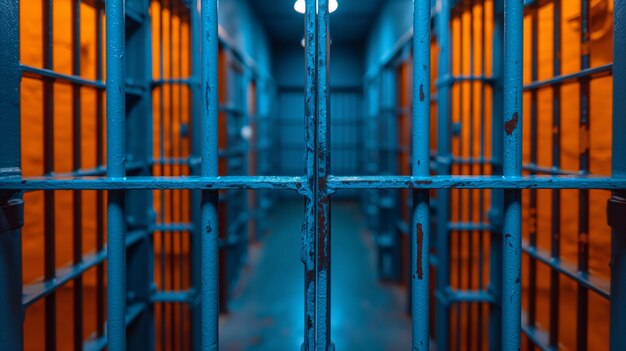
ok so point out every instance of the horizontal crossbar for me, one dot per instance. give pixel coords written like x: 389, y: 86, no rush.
x: 298, y: 183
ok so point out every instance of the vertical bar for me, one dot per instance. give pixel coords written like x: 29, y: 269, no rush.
x: 532, y: 269
x: 195, y: 151
x: 171, y: 264
x: 495, y: 213
x: 421, y: 168
x: 555, y: 247
x: 181, y: 171
x: 322, y: 201
x: 617, y: 204
x: 583, y: 197
x: 162, y: 167
x: 443, y: 168
x: 512, y: 258
x: 11, y: 204
x: 481, y: 201
x: 48, y: 168
x: 209, y: 243
x: 76, y: 195
x: 459, y: 234
x: 100, y: 313
x: 309, y: 225
x: 116, y: 168
x: 470, y: 200
x: 140, y: 258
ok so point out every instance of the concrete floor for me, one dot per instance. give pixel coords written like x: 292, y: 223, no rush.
x: 267, y: 311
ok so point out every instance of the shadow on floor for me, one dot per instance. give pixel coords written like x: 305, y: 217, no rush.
x: 267, y: 311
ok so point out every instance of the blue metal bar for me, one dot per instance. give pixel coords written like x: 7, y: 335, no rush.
x: 49, y: 74
x: 420, y: 231
x: 153, y: 183
x: 116, y: 169
x: 537, y: 337
x: 456, y: 297
x: 309, y: 225
x: 99, y: 342
x: 49, y: 215
x: 442, y: 310
x: 481, y: 171
x: 475, y: 182
x: 139, y: 117
x: 595, y: 284
x: 534, y: 119
x: 99, y: 122
x: 558, y: 79
x: 172, y: 193
x: 582, y: 302
x: 555, y: 234
x: 512, y: 161
x: 35, y: 291
x: 322, y: 199
x: 159, y: 83
x: 11, y: 203
x: 162, y: 194
x: 554, y: 170
x: 458, y: 126
x: 497, y: 198
x: 174, y: 297
x: 616, y: 210
x: 209, y: 168
x: 77, y: 204
x: 298, y: 183
x: 194, y: 170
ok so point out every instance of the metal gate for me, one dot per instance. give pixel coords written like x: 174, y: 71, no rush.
x: 193, y: 166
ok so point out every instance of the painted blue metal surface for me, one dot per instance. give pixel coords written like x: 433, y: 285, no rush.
x: 421, y: 168
x: 512, y: 167
x: 11, y: 204
x: 209, y: 143
x: 116, y: 169
x: 132, y: 303
x: 443, y: 167
x: 617, y: 204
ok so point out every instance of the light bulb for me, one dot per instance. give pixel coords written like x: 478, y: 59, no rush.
x: 300, y: 6
x: 333, y: 5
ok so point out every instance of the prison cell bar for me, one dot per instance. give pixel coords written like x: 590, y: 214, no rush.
x: 195, y: 170
x: 209, y: 232
x: 443, y: 167
x: 116, y: 163
x: 77, y: 214
x: 532, y: 240
x: 555, y: 249
x: 420, y: 228
x: 512, y: 161
x: 308, y: 227
x: 11, y: 203
x: 616, y: 209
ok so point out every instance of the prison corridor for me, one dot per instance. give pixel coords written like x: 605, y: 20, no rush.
x: 265, y: 315
x: 312, y: 175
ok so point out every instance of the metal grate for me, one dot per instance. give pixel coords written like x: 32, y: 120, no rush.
x: 172, y: 144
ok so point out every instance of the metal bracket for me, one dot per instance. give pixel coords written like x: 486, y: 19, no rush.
x: 616, y: 212
x: 11, y: 215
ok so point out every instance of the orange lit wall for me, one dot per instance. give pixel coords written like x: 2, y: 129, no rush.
x: 170, y: 109
x: 469, y: 47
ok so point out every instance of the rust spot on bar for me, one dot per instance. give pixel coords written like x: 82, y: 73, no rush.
x: 420, y: 247
x: 422, y: 95
x: 511, y: 124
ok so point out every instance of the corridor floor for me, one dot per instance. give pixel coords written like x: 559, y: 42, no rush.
x: 267, y: 311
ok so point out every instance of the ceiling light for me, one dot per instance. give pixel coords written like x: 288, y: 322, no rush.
x: 300, y: 6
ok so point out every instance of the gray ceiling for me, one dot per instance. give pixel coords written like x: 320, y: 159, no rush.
x: 351, y: 23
